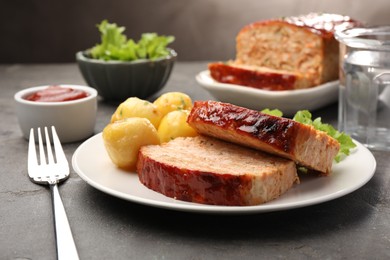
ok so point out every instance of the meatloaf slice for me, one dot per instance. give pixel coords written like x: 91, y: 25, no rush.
x: 210, y: 171
x: 258, y: 77
x: 301, y: 143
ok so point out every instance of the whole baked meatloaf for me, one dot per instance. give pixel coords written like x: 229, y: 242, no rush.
x: 303, y: 45
x: 209, y: 171
x: 284, y: 137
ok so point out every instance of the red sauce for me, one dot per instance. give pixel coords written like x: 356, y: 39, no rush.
x: 57, y: 94
x: 324, y: 24
x: 275, y: 131
x: 251, y: 78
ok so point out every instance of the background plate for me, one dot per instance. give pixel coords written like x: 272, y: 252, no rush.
x: 288, y: 101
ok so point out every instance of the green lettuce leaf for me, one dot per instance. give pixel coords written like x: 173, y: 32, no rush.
x: 272, y: 112
x: 115, y: 45
x: 305, y: 117
x: 346, y: 143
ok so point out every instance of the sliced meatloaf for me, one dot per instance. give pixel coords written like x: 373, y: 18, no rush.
x: 258, y: 77
x: 210, y: 171
x: 280, y: 136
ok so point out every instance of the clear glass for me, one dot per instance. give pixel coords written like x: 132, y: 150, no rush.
x: 364, y: 101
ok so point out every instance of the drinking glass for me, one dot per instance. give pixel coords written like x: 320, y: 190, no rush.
x: 364, y: 97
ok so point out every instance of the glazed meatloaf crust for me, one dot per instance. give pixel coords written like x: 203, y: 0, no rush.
x: 303, y: 46
x: 209, y: 171
x: 284, y: 137
x: 258, y: 77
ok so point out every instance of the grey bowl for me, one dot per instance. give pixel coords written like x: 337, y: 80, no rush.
x: 118, y: 80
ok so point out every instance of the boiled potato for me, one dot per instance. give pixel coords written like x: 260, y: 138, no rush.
x: 173, y: 125
x: 135, y: 107
x: 172, y: 101
x: 124, y: 138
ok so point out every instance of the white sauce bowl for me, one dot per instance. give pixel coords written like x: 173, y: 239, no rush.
x: 74, y: 120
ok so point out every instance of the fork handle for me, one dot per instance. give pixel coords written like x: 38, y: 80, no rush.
x: 66, y: 248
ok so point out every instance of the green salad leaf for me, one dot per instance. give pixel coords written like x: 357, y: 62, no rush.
x: 115, y: 45
x: 305, y: 117
x: 272, y: 112
x: 346, y: 143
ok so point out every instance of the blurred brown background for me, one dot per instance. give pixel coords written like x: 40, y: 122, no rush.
x: 35, y: 31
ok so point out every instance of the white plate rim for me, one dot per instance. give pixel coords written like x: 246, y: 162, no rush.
x: 369, y: 167
x: 207, y: 81
x: 289, y: 101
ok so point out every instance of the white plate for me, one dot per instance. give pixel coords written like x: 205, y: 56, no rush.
x: 93, y: 165
x: 288, y: 101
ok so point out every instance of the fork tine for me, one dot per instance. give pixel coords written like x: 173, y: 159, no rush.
x: 32, y: 154
x: 42, y: 157
x: 60, y: 155
x: 48, y: 147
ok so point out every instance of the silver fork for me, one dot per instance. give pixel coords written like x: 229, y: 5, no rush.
x: 52, y: 172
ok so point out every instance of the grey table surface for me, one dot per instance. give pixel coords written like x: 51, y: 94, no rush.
x: 355, y: 226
